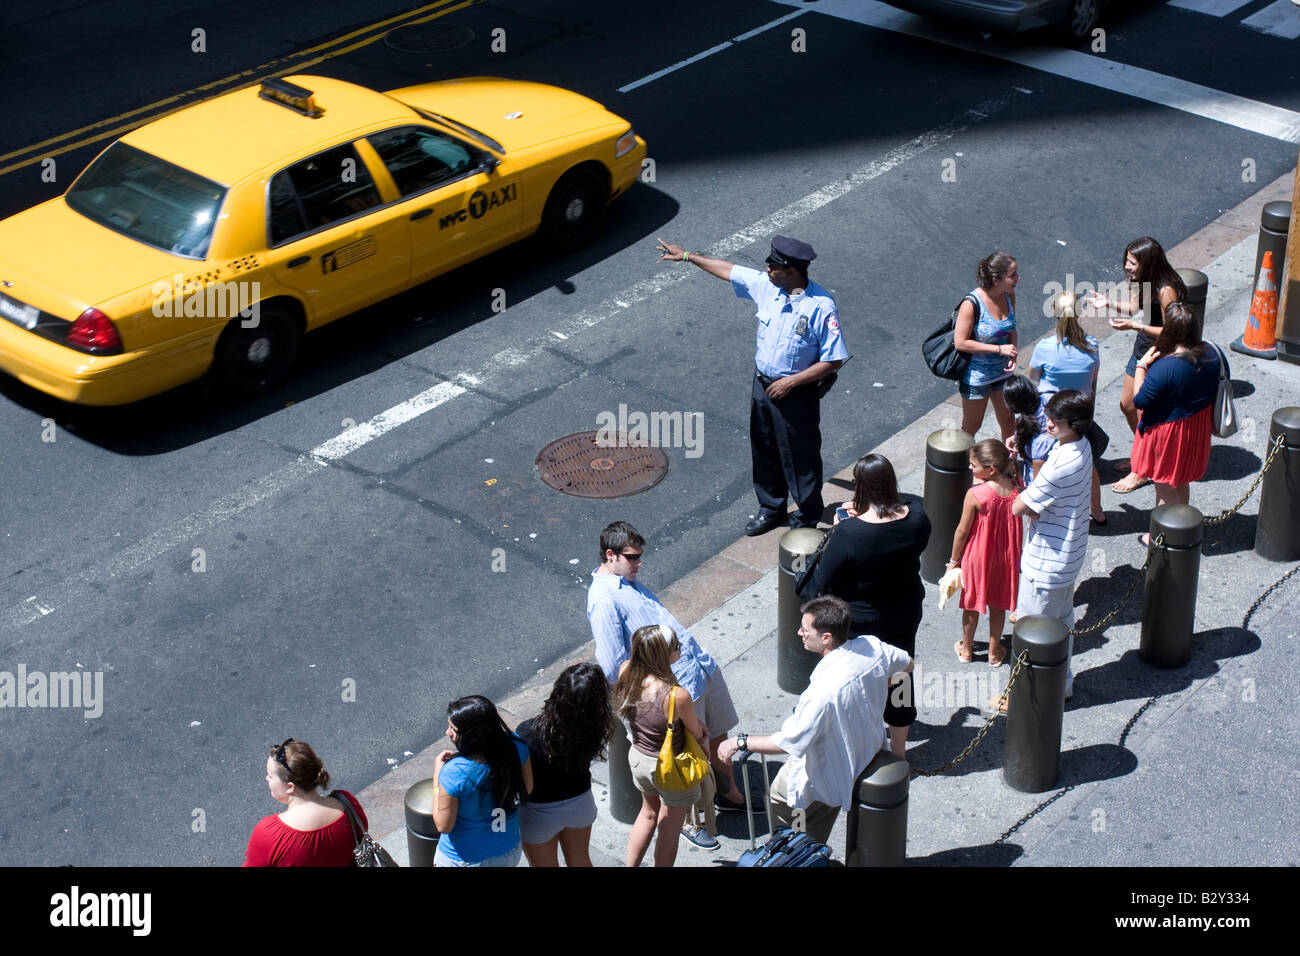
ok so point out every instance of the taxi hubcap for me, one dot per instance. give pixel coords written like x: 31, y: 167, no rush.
x: 573, y: 212
x: 259, y: 351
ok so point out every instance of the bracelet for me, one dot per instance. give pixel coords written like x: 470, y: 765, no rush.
x: 686, y: 256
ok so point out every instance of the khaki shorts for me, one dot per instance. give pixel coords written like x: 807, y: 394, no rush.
x: 715, y: 708
x: 643, y: 771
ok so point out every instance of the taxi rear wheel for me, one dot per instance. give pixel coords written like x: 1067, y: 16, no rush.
x: 251, y: 361
x: 575, y: 209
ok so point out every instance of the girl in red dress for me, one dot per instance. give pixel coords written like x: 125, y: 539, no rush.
x: 986, y: 546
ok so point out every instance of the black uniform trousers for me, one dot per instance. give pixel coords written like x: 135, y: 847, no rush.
x: 785, y: 441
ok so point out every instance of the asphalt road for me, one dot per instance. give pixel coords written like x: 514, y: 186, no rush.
x: 346, y: 603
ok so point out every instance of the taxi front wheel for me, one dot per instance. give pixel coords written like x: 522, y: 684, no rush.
x: 251, y: 361
x: 575, y: 209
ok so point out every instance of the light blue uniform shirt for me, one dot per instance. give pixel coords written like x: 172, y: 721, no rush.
x: 617, y: 607
x: 793, y: 332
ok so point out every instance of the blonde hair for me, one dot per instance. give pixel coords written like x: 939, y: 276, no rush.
x: 652, y: 653
x: 1068, y: 330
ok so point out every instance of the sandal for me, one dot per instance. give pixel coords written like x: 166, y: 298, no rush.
x: 998, y: 661
x: 1129, y: 484
x: 963, y: 655
x: 1144, y: 539
x: 998, y: 706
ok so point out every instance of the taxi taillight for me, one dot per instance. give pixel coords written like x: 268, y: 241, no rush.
x: 94, y: 332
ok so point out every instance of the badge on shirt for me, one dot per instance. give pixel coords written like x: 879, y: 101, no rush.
x: 802, y: 327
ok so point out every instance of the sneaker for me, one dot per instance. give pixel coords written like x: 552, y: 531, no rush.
x: 722, y: 803
x: 700, y: 837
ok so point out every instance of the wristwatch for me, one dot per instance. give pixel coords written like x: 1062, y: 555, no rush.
x: 742, y: 742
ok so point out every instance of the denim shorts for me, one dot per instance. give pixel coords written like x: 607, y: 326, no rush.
x: 966, y: 390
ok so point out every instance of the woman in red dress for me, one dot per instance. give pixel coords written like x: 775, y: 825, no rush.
x: 312, y: 830
x: 1177, y: 380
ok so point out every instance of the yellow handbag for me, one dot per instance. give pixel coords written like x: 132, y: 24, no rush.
x: 683, y: 771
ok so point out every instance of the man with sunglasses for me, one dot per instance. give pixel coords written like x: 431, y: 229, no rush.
x: 799, y: 344
x: 618, y: 604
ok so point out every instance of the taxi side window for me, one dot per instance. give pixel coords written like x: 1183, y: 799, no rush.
x: 420, y: 158
x: 320, y: 191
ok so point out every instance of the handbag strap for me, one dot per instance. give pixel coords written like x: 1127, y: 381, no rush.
x: 358, y: 831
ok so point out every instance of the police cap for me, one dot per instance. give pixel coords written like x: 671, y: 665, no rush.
x: 790, y: 252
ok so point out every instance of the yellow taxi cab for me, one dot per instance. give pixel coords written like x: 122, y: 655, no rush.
x: 209, y: 241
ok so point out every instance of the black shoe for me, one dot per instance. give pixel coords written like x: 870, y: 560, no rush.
x: 763, y: 523
x: 722, y: 803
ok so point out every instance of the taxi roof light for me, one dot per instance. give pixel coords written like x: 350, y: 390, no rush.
x: 297, y: 98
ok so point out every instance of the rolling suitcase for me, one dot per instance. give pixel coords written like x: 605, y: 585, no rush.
x: 784, y: 846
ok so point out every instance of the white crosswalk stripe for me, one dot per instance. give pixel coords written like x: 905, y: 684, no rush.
x: 1280, y: 19
x: 1213, y: 8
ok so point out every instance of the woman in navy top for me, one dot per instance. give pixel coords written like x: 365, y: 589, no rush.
x: 1177, y: 380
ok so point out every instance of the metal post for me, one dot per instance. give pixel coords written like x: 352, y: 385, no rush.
x: 1036, y: 708
x: 1169, y: 598
x: 1277, y: 530
x: 947, y: 479
x: 624, y: 797
x: 794, y: 663
x: 1198, y: 288
x: 1274, y: 222
x: 421, y: 834
x: 1288, y: 284
x: 878, y: 819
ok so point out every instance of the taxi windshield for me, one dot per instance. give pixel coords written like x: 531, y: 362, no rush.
x: 149, y: 200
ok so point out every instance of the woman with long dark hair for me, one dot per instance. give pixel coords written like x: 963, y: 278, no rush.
x: 986, y: 331
x: 477, y: 788
x: 1032, y: 443
x: 1177, y: 379
x: 872, y: 560
x: 563, y: 740
x: 1153, y: 286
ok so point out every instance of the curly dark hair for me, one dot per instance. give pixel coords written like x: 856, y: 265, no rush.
x: 1021, y: 396
x: 575, y: 723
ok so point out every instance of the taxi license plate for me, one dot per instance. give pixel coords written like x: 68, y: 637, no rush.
x: 18, y: 312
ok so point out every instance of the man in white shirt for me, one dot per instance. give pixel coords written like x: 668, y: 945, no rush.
x: 838, y: 725
x: 1057, y: 501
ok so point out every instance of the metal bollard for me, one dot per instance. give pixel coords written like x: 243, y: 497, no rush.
x: 1169, y: 598
x: 624, y: 797
x: 1274, y: 223
x: 1198, y: 288
x: 794, y: 663
x: 1036, y: 709
x: 1277, y: 530
x: 947, y: 479
x: 421, y: 834
x: 878, y: 819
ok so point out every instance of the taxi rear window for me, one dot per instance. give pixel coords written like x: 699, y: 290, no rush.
x: 149, y: 200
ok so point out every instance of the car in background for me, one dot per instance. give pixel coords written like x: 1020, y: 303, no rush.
x: 1072, y: 20
x: 208, y: 242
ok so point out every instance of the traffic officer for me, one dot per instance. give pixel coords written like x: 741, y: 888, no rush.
x: 799, y: 343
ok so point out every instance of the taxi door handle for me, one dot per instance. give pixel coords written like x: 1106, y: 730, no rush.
x: 421, y: 214
x: 298, y: 261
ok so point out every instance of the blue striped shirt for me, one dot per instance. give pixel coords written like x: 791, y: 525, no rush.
x: 1058, y: 537
x: 616, y: 608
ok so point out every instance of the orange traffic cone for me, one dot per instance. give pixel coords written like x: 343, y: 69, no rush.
x: 1260, y: 339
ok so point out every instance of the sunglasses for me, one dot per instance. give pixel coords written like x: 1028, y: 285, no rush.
x: 279, y: 753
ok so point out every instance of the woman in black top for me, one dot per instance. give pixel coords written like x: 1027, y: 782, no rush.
x: 872, y: 560
x: 563, y: 740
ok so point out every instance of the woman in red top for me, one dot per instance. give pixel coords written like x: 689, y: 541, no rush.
x: 312, y: 830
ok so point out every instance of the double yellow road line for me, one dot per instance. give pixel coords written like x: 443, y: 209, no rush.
x: 281, y: 66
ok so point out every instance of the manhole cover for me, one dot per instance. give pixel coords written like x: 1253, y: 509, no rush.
x: 428, y: 38
x: 577, y: 465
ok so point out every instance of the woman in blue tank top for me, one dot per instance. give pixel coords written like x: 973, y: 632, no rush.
x: 986, y: 330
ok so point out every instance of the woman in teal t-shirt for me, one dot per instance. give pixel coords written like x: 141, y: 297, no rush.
x: 477, y: 788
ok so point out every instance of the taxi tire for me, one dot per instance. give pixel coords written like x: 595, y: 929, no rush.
x: 575, y: 210
x: 252, y: 361
x: 1081, y: 18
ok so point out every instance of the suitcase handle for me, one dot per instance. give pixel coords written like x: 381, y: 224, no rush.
x: 742, y: 757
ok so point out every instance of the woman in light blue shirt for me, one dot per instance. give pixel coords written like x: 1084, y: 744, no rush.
x: 986, y: 331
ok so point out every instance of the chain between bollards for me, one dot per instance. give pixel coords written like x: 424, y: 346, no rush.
x: 997, y: 712
x: 1278, y: 442
x: 1156, y: 542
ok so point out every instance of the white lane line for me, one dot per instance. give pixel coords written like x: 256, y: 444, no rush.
x: 709, y: 52
x: 78, y: 590
x: 1213, y: 8
x: 1238, y: 111
x: 1280, y: 19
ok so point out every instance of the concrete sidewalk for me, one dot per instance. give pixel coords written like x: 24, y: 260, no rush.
x: 1157, y: 767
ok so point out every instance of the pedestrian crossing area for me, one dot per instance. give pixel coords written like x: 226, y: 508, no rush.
x: 1281, y: 18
